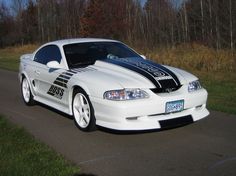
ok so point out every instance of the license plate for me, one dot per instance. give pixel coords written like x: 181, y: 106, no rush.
x: 174, y: 106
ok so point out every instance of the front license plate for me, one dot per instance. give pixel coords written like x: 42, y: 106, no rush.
x: 174, y: 106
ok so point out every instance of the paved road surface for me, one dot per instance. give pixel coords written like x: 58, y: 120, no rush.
x: 207, y: 147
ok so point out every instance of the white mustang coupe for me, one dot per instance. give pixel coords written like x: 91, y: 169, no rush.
x: 104, y: 82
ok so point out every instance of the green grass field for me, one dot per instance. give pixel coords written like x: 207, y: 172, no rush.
x: 22, y: 155
x: 10, y: 57
x: 221, y: 90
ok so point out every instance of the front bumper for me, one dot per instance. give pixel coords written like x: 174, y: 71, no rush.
x: 149, y: 113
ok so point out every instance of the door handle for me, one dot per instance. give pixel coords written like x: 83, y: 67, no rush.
x: 37, y: 72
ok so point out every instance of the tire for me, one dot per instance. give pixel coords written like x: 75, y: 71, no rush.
x: 26, y: 92
x: 83, y: 111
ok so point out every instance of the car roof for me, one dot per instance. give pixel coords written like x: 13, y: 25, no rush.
x: 79, y: 40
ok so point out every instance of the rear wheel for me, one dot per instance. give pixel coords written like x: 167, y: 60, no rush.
x: 83, y: 111
x: 26, y: 92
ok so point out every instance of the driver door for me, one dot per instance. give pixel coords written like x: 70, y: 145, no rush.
x: 49, y: 88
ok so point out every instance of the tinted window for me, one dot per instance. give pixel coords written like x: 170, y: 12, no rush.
x: 80, y: 54
x: 47, y: 54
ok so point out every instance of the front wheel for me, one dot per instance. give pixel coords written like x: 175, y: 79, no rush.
x: 26, y: 92
x: 83, y: 111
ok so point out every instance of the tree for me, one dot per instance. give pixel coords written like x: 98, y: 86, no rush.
x: 109, y: 19
x: 6, y: 26
x: 30, y: 23
x: 160, y: 22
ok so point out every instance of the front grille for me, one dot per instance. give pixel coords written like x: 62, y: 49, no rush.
x: 165, y: 90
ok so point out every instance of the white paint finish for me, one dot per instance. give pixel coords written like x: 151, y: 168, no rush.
x: 101, y: 77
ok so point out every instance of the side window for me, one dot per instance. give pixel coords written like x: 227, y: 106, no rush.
x: 47, y: 54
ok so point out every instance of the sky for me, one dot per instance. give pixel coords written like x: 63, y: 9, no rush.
x: 177, y: 2
x: 143, y: 2
x: 7, y: 2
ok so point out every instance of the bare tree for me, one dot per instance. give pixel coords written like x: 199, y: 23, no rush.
x: 231, y: 25
x: 202, y: 19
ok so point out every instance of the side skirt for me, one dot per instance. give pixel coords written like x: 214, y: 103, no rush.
x: 59, y: 107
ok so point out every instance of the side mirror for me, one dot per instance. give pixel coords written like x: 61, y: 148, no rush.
x: 144, y: 57
x: 54, y: 65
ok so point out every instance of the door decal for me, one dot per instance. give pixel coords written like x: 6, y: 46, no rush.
x: 57, y: 89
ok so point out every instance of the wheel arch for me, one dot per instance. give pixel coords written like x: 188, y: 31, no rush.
x: 91, y: 124
x: 21, y: 76
x: 24, y: 75
x: 31, y: 100
x: 71, y: 92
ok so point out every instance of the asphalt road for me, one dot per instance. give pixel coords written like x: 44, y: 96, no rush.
x: 207, y: 147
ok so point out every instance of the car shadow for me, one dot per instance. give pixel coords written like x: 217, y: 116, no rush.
x: 54, y: 110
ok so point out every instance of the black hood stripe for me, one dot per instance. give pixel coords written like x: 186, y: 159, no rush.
x: 133, y: 68
x: 166, y: 70
x: 156, y: 73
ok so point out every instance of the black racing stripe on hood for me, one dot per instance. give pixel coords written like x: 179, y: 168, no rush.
x: 166, y: 70
x: 133, y: 68
x: 159, y: 75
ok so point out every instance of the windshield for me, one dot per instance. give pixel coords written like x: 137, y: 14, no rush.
x: 82, y: 54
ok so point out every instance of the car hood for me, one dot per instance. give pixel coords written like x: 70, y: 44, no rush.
x: 133, y: 73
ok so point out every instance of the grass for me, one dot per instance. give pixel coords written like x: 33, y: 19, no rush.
x: 22, y: 155
x: 195, y: 57
x: 10, y: 57
x: 221, y: 90
x: 216, y: 69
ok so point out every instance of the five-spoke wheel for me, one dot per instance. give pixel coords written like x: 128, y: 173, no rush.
x: 26, y: 92
x: 83, y: 111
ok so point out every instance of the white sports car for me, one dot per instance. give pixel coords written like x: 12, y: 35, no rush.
x: 104, y: 82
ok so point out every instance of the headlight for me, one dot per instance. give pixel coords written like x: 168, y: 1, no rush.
x: 193, y: 86
x: 125, y: 94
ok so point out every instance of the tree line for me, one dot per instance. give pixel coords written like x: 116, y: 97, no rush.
x: 158, y: 23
